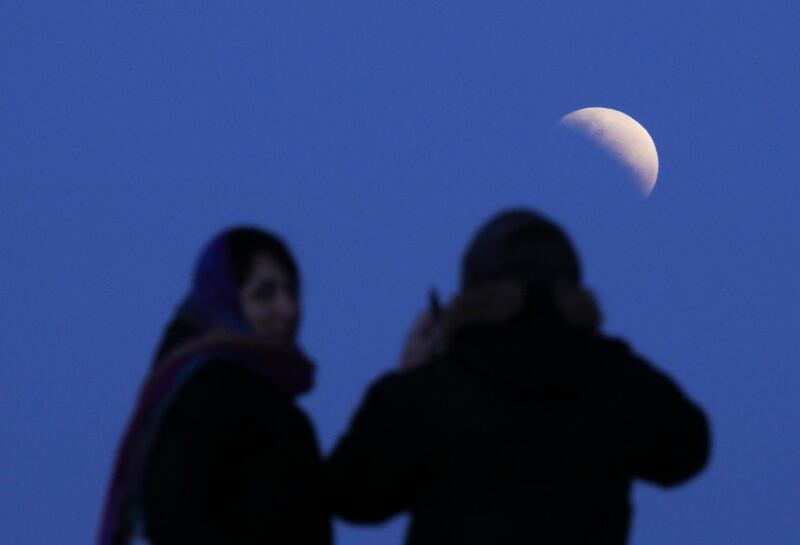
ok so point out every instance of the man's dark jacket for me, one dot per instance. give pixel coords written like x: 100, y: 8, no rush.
x: 520, y: 433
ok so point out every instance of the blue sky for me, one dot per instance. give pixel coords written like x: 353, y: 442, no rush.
x: 376, y: 136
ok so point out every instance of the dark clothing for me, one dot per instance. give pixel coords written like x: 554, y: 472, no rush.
x: 234, y: 462
x: 520, y: 433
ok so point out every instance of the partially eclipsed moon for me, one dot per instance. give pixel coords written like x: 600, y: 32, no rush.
x: 623, y: 137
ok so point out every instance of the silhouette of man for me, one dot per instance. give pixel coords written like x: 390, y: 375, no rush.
x: 512, y: 419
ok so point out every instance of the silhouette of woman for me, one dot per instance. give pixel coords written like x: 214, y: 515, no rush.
x: 216, y: 450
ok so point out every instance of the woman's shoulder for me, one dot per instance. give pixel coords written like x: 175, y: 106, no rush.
x: 221, y: 373
x: 218, y: 386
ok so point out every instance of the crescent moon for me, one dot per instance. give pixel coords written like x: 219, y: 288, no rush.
x: 623, y: 137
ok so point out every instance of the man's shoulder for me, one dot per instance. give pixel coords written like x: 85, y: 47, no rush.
x: 418, y: 385
x: 625, y: 365
x: 616, y: 352
x: 611, y: 345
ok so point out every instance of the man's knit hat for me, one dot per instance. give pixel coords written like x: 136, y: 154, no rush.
x: 522, y: 245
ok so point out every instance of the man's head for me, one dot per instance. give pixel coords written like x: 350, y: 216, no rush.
x: 522, y: 245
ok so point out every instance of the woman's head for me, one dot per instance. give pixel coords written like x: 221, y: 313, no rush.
x: 268, y: 292
x: 247, y: 279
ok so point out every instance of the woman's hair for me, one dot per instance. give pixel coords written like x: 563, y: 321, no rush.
x: 245, y: 243
x: 221, y: 270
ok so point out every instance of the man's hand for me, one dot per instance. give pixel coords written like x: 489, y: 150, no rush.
x: 422, y: 340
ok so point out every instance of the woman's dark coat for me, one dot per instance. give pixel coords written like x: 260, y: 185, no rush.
x: 235, y: 462
x: 520, y: 433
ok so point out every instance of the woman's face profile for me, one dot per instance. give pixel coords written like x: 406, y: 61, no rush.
x: 268, y: 300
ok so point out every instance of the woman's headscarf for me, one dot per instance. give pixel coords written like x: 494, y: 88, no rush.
x: 216, y: 331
